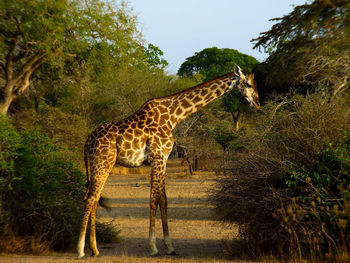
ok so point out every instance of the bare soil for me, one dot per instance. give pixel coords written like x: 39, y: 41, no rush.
x: 196, y: 236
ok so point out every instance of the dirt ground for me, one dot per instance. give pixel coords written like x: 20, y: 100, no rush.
x: 196, y: 236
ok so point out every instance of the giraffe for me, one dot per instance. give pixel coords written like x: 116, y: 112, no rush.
x: 146, y: 136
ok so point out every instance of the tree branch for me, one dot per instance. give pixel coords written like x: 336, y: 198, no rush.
x: 27, y: 67
x: 9, y: 61
x: 23, y: 83
x: 2, y: 65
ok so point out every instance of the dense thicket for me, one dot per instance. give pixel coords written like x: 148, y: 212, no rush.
x: 289, y: 190
x: 41, y: 190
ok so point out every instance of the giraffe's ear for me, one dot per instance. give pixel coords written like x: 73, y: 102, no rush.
x: 237, y: 70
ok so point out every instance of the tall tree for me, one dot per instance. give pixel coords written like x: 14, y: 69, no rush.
x: 33, y: 32
x: 213, y: 62
x: 309, y: 47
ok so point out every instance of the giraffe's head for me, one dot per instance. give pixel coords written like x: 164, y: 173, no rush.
x: 247, y: 86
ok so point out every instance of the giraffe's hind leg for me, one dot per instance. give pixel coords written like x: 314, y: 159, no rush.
x: 93, y: 244
x: 81, y: 243
x: 101, y: 166
x: 90, y: 210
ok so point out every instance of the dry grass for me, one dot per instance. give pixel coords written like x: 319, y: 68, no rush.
x: 13, y: 243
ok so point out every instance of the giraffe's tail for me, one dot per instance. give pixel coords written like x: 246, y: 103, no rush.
x: 103, y: 201
x: 86, y: 161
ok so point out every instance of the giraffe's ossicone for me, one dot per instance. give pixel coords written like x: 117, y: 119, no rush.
x: 146, y: 136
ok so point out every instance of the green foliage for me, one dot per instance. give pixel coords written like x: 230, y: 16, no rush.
x: 289, y: 190
x: 225, y: 137
x: 233, y: 101
x: 154, y: 58
x: 67, y: 28
x: 70, y: 50
x: 320, y: 202
x: 316, y: 19
x: 42, y: 194
x: 9, y: 144
x: 214, y: 62
x: 65, y: 130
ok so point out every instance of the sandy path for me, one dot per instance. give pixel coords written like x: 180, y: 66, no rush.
x: 196, y: 236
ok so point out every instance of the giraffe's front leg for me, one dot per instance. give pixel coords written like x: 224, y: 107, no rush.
x: 152, y: 222
x: 163, y: 204
x: 157, y: 184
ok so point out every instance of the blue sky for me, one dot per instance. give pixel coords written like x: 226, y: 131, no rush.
x: 182, y: 27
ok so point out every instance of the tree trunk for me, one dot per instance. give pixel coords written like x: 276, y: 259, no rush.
x: 17, y: 83
x: 6, y: 98
x: 189, y: 165
x: 236, y: 119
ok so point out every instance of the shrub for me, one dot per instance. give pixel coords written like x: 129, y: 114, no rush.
x: 9, y: 144
x: 316, y: 212
x: 43, y: 197
x: 64, y: 129
x: 289, y: 190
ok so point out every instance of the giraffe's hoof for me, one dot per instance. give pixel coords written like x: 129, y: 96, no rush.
x: 154, y: 254
x: 81, y: 257
x: 172, y: 253
x: 96, y: 255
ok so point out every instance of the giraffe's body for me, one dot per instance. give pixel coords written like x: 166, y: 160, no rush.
x: 146, y: 136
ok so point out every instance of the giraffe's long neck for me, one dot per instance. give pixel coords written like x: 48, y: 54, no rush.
x: 180, y: 105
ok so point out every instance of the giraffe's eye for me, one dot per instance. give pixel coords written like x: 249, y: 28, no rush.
x: 248, y: 85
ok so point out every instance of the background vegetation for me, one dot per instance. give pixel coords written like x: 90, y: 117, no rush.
x: 288, y: 190
x: 288, y: 187
x: 67, y: 66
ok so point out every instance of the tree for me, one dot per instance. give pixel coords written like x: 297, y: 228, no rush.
x: 234, y: 103
x: 154, y: 58
x: 33, y: 32
x: 213, y: 62
x: 309, y: 47
x: 227, y: 139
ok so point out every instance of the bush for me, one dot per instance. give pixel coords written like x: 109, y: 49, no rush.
x: 289, y: 190
x: 64, y: 129
x: 9, y: 144
x: 42, y: 194
x: 316, y: 210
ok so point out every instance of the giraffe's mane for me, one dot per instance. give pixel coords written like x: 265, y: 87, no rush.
x: 199, y: 85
